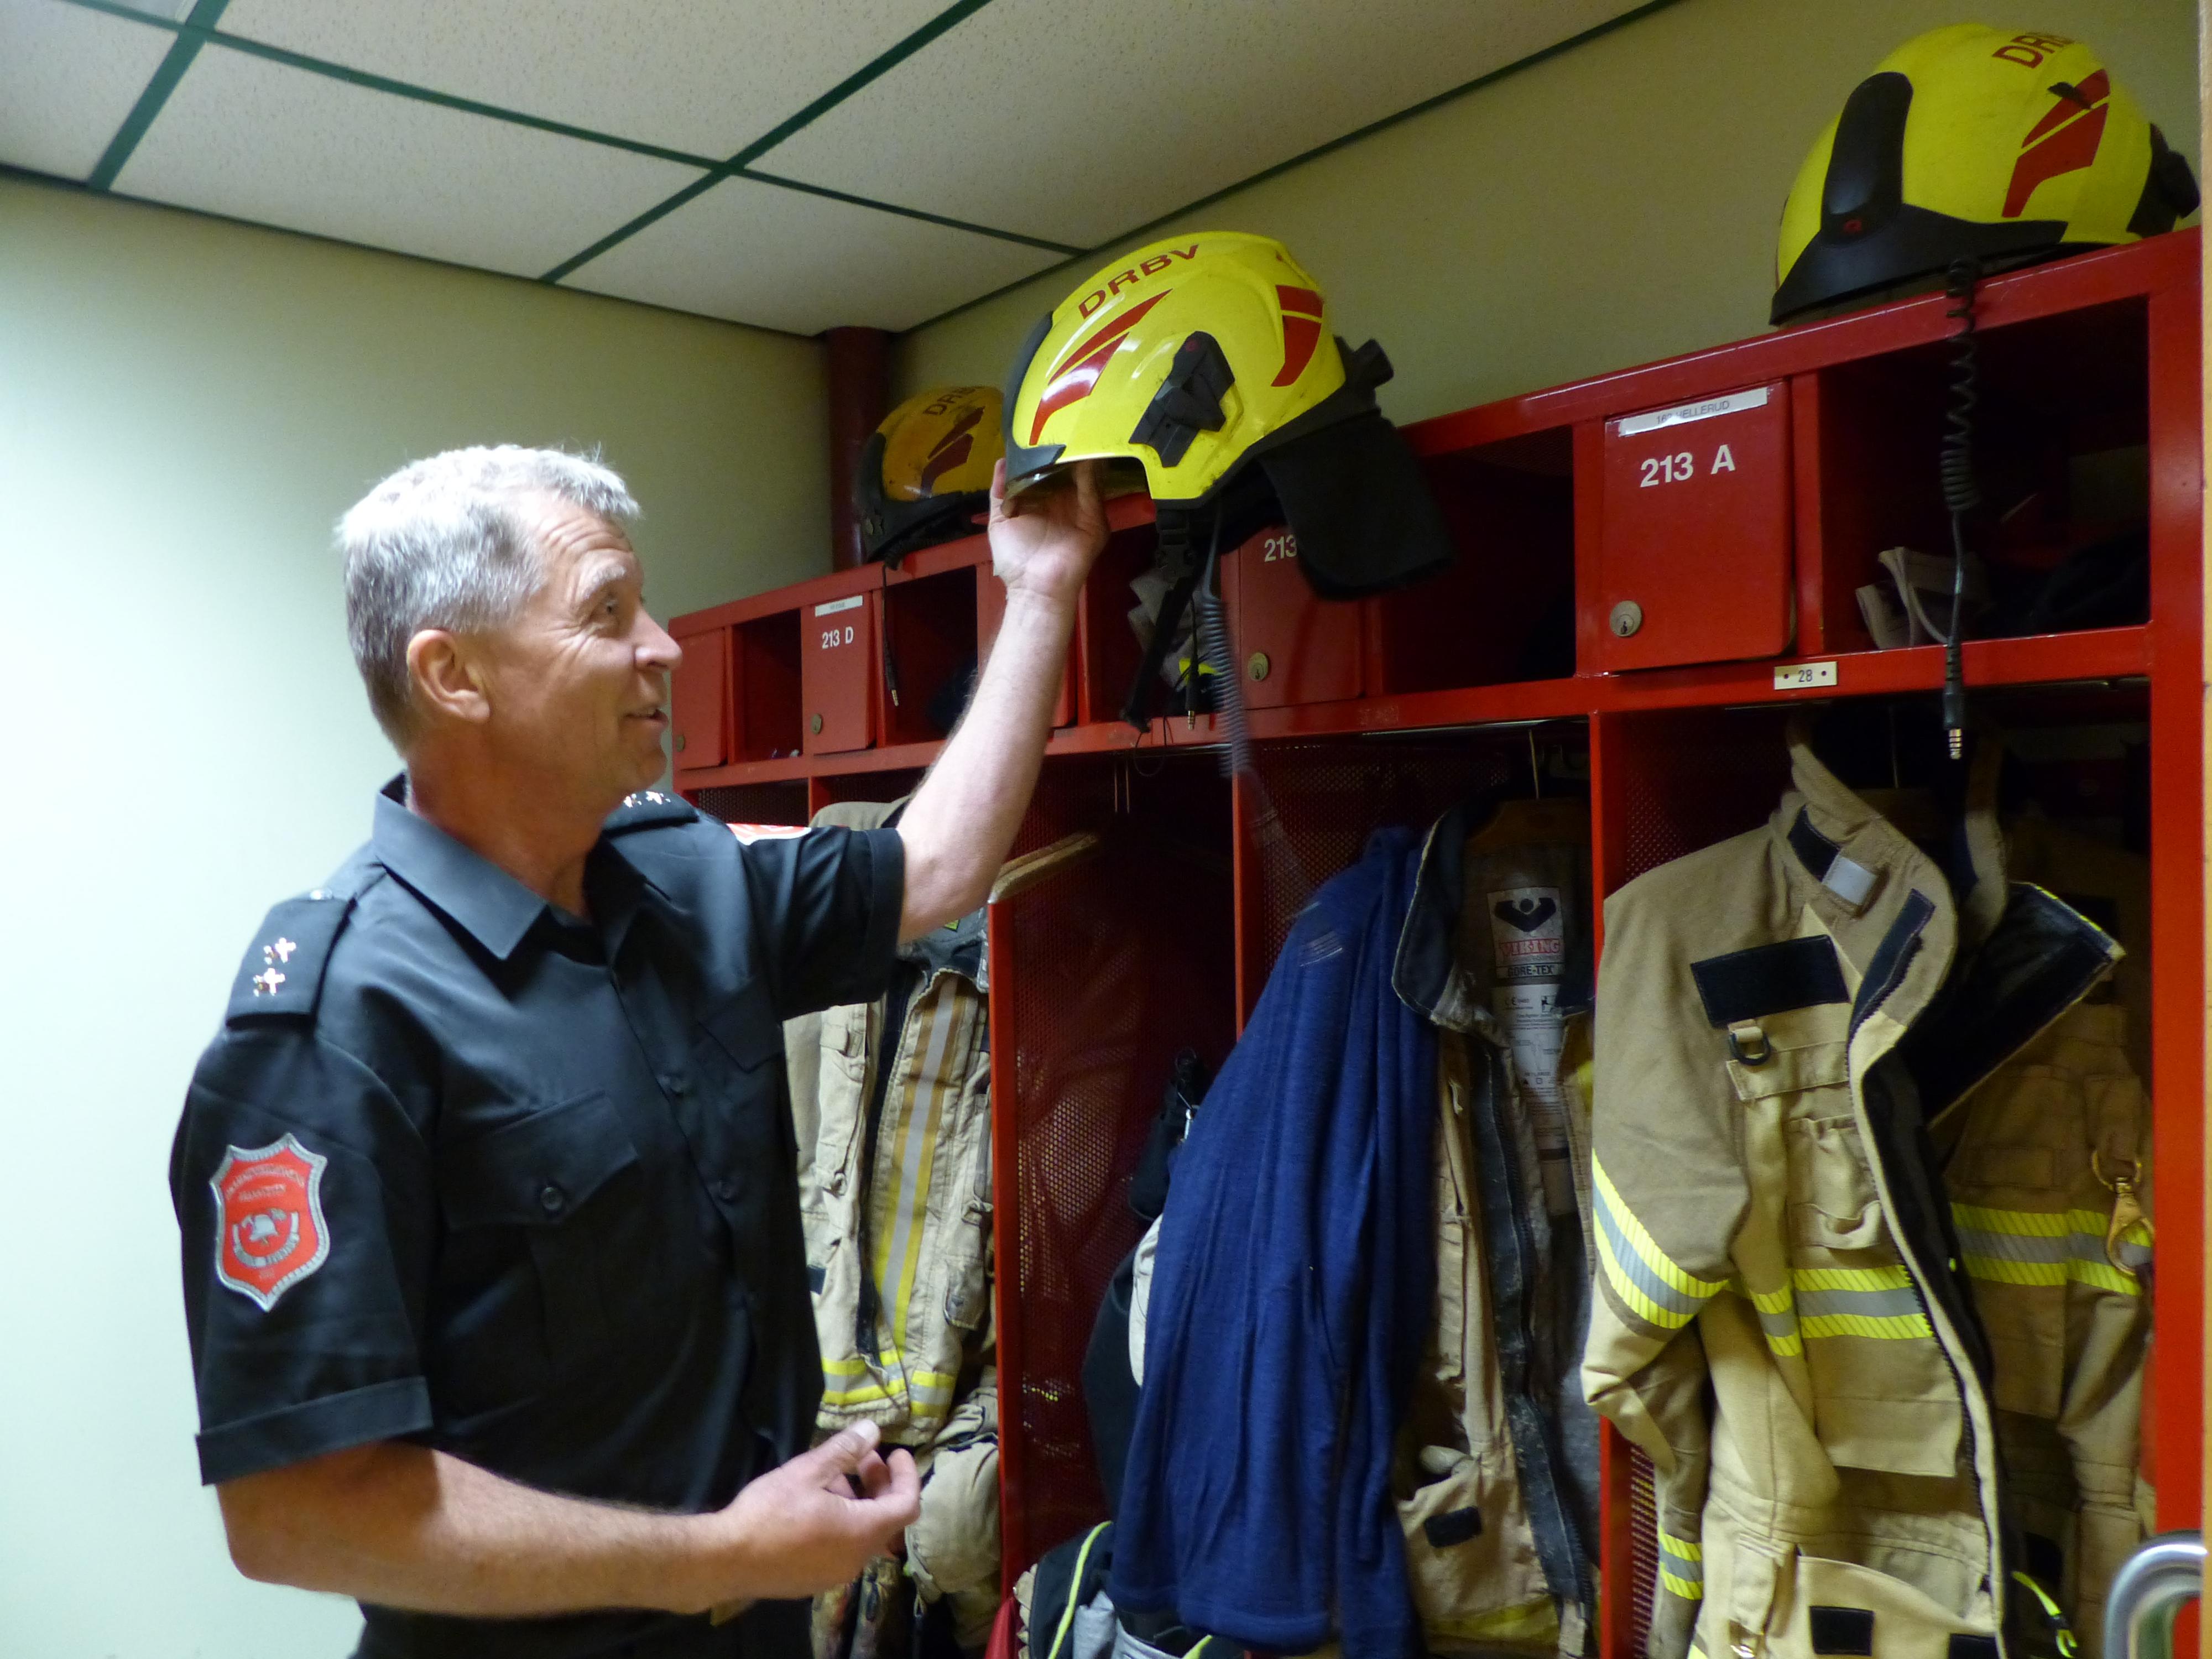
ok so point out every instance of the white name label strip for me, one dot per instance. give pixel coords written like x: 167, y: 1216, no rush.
x: 1682, y: 414
x: 835, y: 605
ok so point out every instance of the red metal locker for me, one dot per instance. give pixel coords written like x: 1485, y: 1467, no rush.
x: 700, y: 699
x: 1291, y: 645
x: 1693, y: 550
x: 1828, y: 433
x: 837, y: 673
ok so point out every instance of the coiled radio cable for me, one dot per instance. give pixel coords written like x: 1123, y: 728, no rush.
x: 1962, y: 493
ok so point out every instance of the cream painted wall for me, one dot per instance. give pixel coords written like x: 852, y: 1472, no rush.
x: 186, y: 406
x: 1611, y: 205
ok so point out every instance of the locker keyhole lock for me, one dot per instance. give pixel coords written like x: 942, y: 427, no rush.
x: 1257, y: 666
x: 679, y: 743
x: 1627, y: 616
x: 814, y: 726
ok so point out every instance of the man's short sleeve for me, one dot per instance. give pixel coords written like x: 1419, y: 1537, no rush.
x: 304, y: 1202
x: 827, y: 905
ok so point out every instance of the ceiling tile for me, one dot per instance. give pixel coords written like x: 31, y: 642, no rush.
x: 1099, y: 119
x: 258, y: 140
x: 706, y: 76
x: 68, y: 77
x: 781, y: 258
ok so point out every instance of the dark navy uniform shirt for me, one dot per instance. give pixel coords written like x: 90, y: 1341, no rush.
x: 465, y: 1170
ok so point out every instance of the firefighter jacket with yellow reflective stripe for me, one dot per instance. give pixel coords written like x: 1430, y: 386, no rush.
x: 892, y: 1101
x: 1497, y: 1477
x: 1866, y: 1299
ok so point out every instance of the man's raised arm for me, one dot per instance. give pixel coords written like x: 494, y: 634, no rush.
x: 962, y: 820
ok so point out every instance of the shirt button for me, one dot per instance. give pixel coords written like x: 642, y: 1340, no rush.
x: 677, y: 1084
x: 726, y: 1189
x: 551, y: 1199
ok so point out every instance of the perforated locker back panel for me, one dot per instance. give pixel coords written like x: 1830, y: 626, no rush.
x: 1694, y: 776
x: 1102, y: 973
x: 1643, y: 1548
x: 757, y: 803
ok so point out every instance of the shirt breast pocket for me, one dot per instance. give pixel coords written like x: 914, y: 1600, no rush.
x: 736, y: 1054
x: 564, y: 1181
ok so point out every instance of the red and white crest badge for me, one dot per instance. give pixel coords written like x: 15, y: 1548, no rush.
x: 269, y: 1218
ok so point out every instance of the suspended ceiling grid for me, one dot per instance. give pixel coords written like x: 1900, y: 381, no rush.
x: 794, y: 166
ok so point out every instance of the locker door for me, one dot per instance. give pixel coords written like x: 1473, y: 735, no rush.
x: 1292, y: 645
x: 700, y: 699
x: 837, y: 666
x: 1694, y: 546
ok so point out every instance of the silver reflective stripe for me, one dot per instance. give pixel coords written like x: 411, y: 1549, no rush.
x: 2014, y: 1247
x: 1778, y: 1325
x: 1638, y: 1272
x: 922, y: 1097
x: 1873, y: 1304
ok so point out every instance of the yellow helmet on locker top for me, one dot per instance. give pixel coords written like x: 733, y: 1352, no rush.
x: 926, y: 470
x: 1189, y: 359
x: 2004, y: 146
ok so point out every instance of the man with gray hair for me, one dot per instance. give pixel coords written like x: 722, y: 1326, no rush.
x: 493, y: 1267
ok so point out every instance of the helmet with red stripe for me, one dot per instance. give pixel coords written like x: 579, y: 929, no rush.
x: 1203, y: 369
x: 2000, y: 146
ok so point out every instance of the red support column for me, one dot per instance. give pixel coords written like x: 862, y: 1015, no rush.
x: 860, y: 397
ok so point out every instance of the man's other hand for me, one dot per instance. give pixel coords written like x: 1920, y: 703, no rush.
x: 1043, y: 541
x: 802, y: 1527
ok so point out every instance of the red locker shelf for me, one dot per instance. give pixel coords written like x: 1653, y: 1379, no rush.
x: 2112, y: 653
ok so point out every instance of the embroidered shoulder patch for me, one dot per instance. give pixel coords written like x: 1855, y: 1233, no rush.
x: 269, y: 1233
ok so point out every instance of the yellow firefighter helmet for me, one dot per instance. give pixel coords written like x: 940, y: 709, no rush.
x: 2002, y: 146
x: 926, y: 470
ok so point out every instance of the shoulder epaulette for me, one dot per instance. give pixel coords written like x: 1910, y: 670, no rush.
x: 283, y: 972
x: 646, y: 809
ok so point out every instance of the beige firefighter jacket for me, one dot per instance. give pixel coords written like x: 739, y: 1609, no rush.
x: 1858, y: 1301
x: 892, y: 1106
x: 1496, y: 1479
